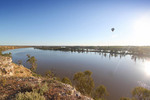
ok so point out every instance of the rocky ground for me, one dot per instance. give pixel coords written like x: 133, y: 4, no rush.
x: 8, y: 68
x: 16, y: 78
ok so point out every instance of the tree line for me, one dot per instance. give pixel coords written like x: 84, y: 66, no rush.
x: 132, y: 50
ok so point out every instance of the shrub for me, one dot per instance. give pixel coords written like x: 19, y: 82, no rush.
x: 21, y: 71
x: 29, y: 96
x: 20, y: 62
x: 140, y: 92
x: 68, y: 92
x: 16, y: 72
x: 6, y: 54
x: 56, y: 78
x: 43, y: 88
x: 3, y: 81
x: 125, y: 98
x: 36, y: 75
x: 0, y: 52
x: 66, y: 80
x: 99, y: 99
x: 100, y: 92
x: 49, y: 74
x: 32, y: 60
x: 84, y: 82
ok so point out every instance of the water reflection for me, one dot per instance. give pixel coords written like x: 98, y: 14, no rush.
x: 134, y: 57
x: 106, y: 53
x: 147, y: 67
x: 110, y: 55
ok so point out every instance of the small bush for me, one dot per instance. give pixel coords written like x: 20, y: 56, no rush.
x: 35, y: 74
x: 41, y: 89
x: 7, y: 54
x: 68, y: 92
x: 56, y: 78
x: 20, y: 62
x: 49, y: 74
x: 3, y: 81
x: 32, y: 60
x: 29, y: 96
x: 66, y: 80
x: 84, y: 82
x: 141, y: 92
x: 0, y: 52
x: 21, y: 71
x: 125, y: 98
x: 16, y: 72
x: 44, y: 88
x: 100, y: 92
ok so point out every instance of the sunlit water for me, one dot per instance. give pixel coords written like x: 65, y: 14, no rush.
x: 119, y: 74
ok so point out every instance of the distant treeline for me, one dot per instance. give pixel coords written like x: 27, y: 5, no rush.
x: 133, y: 50
x: 4, y: 48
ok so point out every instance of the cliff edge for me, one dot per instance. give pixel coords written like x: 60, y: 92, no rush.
x: 8, y: 68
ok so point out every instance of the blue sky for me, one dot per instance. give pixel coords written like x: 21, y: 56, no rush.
x: 74, y: 22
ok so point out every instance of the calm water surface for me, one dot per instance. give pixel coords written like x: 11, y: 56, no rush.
x: 119, y: 75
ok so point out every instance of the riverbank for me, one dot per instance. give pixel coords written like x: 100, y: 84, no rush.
x: 4, y: 48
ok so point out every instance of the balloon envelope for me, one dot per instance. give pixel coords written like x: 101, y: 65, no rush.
x: 112, y: 29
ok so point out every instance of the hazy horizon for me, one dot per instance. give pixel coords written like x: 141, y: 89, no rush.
x: 67, y: 45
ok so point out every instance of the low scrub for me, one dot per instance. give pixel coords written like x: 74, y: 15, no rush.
x: 43, y: 88
x: 66, y: 81
x: 29, y: 96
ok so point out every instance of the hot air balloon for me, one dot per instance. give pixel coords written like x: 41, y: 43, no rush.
x: 112, y: 29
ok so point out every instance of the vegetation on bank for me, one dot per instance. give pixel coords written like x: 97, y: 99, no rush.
x: 133, y: 50
x: 66, y: 80
x: 84, y: 82
x: 4, y: 48
x: 32, y: 60
x: 138, y: 93
x: 6, y: 54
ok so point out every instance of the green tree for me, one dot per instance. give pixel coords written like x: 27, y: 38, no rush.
x: 32, y: 60
x: 84, y: 82
x: 141, y: 93
x: 66, y: 80
x: 100, y: 92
